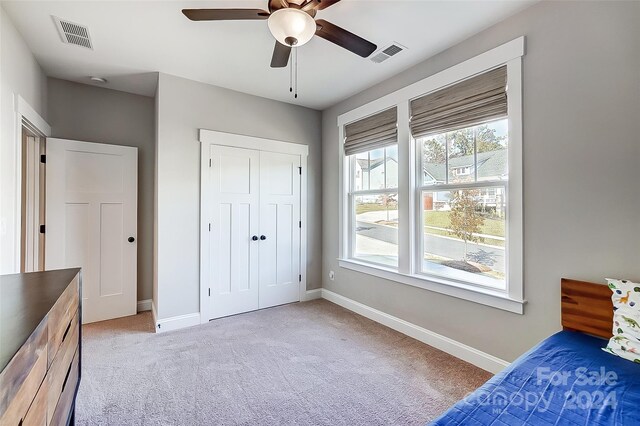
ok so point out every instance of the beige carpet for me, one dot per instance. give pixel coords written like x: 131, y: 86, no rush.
x: 309, y: 363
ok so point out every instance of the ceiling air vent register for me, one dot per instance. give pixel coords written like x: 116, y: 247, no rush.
x: 72, y: 33
x: 387, y: 52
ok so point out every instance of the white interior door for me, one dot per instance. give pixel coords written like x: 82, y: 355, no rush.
x: 279, y: 229
x: 91, y: 222
x: 234, y: 230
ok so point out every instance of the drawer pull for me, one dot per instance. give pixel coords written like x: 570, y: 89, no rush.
x: 66, y: 378
x: 64, y: 336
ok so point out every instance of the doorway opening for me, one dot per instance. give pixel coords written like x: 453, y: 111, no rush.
x: 32, y: 236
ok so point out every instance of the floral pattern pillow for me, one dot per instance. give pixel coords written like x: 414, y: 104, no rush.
x: 625, y: 342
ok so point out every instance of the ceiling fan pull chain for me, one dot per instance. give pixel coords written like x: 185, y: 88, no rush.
x: 296, y: 80
x: 291, y: 76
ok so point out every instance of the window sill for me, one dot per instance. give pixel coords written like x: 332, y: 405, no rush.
x: 495, y: 299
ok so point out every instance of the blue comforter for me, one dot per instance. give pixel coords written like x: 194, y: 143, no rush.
x: 565, y: 380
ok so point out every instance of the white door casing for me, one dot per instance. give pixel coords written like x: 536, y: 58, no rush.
x: 234, y: 187
x: 279, y: 226
x: 281, y: 256
x: 91, y: 213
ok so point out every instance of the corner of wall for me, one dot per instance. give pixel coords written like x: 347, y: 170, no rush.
x: 23, y: 76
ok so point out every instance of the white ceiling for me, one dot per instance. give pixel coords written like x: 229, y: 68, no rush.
x: 133, y: 39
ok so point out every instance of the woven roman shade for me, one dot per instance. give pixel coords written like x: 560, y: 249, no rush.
x: 376, y: 131
x: 473, y: 101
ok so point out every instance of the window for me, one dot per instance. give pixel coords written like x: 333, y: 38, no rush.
x: 373, y: 190
x: 432, y: 185
x: 461, y: 171
x: 464, y: 213
x: 374, y: 201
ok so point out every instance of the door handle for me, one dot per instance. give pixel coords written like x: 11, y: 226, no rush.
x: 262, y: 237
x: 254, y: 238
x: 131, y: 239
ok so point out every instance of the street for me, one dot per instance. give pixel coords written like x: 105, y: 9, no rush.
x: 438, y: 245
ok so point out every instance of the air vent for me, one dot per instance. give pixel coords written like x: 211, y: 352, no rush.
x: 72, y: 33
x: 387, y: 52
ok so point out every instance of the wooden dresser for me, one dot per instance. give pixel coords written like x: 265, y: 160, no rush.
x: 40, y: 324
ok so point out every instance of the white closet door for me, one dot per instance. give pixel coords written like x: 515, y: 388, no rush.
x: 91, y: 222
x: 234, y: 224
x: 279, y: 229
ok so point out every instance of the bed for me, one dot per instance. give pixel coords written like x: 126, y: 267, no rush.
x: 565, y: 380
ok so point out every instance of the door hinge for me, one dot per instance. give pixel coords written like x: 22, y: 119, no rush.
x: 43, y: 158
x: 42, y: 229
x: 209, y: 292
x: 299, y: 278
x: 300, y: 170
x: 209, y: 162
x: 209, y: 227
x: 300, y: 224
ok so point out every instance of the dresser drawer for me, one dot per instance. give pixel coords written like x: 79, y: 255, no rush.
x: 37, y: 414
x: 30, y: 383
x: 62, y: 410
x: 60, y: 318
x: 58, y: 374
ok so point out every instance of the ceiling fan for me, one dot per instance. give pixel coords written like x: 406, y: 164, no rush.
x: 292, y: 24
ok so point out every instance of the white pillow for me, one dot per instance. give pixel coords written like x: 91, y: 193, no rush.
x: 625, y: 342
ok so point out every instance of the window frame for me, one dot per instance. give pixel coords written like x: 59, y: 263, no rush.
x: 409, y: 212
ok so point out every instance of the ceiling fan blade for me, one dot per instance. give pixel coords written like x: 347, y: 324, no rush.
x: 280, y: 57
x: 344, y: 38
x: 225, y: 14
x: 318, y: 4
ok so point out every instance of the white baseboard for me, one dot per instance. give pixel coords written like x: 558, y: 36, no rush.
x: 174, y: 323
x: 144, y: 305
x: 459, y: 350
x: 312, y: 295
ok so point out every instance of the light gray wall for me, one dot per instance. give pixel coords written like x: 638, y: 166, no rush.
x: 184, y: 106
x: 156, y: 109
x: 20, y: 75
x: 94, y: 114
x: 581, y: 172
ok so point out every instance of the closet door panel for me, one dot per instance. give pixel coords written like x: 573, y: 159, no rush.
x: 279, y: 228
x: 234, y: 222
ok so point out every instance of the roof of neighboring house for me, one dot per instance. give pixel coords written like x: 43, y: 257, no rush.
x: 490, y: 164
x: 365, y: 165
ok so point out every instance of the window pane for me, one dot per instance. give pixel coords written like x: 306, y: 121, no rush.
x: 491, y: 145
x: 464, y: 235
x: 488, y: 141
x: 361, y: 172
x: 434, y: 160
x: 391, y: 170
x: 461, y: 158
x: 376, y: 228
x: 376, y: 169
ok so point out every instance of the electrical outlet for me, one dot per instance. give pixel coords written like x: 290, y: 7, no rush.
x: 332, y: 275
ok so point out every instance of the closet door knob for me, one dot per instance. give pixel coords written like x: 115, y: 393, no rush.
x: 262, y: 237
x: 254, y: 238
x: 131, y: 239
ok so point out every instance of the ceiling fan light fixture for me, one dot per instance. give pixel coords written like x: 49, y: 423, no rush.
x: 291, y: 27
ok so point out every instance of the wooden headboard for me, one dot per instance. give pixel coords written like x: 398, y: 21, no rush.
x: 587, y: 307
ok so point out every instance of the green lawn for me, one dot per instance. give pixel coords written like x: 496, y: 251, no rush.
x: 440, y: 219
